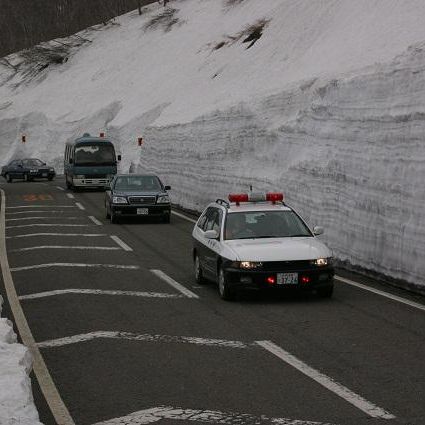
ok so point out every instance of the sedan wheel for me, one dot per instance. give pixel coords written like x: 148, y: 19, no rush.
x: 8, y: 178
x: 108, y: 215
x: 223, y: 287
x: 199, y: 278
x: 114, y: 218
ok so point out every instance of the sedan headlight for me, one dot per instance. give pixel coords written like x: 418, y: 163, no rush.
x: 33, y: 170
x: 51, y: 169
x: 247, y: 265
x: 325, y: 261
x: 119, y: 200
x: 163, y: 199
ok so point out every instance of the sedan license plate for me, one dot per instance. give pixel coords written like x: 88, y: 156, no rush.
x: 142, y: 211
x: 287, y: 278
x: 44, y: 175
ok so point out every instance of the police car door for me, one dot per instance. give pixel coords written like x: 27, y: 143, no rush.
x: 212, y: 246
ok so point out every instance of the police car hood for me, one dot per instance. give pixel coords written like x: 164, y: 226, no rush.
x: 278, y: 249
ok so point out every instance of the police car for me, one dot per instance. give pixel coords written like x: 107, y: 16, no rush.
x: 256, y: 241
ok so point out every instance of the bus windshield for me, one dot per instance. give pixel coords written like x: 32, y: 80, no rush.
x: 95, y: 154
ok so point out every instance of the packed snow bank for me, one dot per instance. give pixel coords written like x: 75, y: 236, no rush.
x: 16, y: 401
x: 326, y: 105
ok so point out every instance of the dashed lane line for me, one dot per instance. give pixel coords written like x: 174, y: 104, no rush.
x: 70, y: 195
x: 382, y: 293
x: 98, y: 292
x: 333, y: 386
x: 174, y: 284
x: 35, y: 211
x: 60, y: 188
x: 47, y: 225
x: 121, y: 243
x: 86, y: 265
x: 43, y: 218
x: 95, y: 220
x: 85, y: 235
x: 40, y: 206
x: 94, y: 248
x: 50, y: 392
x: 211, y: 342
x: 80, y: 206
x: 156, y: 414
x: 191, y: 220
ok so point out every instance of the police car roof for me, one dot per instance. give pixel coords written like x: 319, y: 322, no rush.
x: 257, y: 206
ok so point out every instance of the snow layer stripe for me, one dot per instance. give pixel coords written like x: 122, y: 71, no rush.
x: 48, y: 265
x: 174, y: 284
x: 338, y: 389
x: 50, y: 392
x: 98, y: 292
x: 143, y: 337
x: 156, y: 414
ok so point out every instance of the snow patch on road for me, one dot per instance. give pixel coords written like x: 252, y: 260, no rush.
x: 16, y: 401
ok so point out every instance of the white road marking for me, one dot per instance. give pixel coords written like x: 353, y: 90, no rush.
x: 382, y: 293
x: 183, y: 217
x: 43, y: 218
x: 338, y: 389
x: 48, y: 265
x: 40, y: 206
x: 80, y: 206
x: 95, y: 220
x: 34, y: 211
x: 95, y: 248
x: 174, y: 284
x: 121, y: 243
x: 70, y: 195
x: 157, y: 414
x: 47, y: 225
x: 144, y: 337
x: 98, y: 292
x: 60, y: 188
x: 50, y: 392
x: 86, y: 235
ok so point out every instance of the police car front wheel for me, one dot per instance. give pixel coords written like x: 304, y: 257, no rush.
x: 226, y: 293
x: 199, y: 277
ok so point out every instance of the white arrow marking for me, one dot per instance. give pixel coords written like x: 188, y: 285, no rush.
x: 156, y: 414
x: 47, y: 265
x: 96, y: 248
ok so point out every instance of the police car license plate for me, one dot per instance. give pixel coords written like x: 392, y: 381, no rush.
x: 142, y: 211
x: 287, y: 278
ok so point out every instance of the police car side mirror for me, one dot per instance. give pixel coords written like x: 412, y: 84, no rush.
x: 211, y: 234
x: 318, y: 230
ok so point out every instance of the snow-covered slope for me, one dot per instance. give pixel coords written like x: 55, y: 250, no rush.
x: 328, y: 105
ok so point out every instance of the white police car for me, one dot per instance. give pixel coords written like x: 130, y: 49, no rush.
x: 256, y: 241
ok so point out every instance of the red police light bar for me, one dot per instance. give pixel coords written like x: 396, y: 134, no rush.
x: 274, y: 197
x: 238, y: 197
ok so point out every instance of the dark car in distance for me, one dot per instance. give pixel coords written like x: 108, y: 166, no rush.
x: 27, y: 169
x: 137, y: 195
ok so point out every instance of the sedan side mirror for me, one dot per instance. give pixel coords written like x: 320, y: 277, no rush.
x: 167, y: 187
x: 318, y: 230
x: 211, y: 234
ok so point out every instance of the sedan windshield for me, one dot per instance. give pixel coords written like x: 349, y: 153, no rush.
x: 32, y: 163
x: 95, y: 154
x: 138, y: 183
x: 264, y: 224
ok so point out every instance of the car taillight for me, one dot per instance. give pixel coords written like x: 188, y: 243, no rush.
x: 305, y: 279
x: 271, y: 280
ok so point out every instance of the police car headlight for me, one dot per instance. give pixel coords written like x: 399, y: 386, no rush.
x: 163, y: 199
x: 119, y: 200
x: 322, y: 261
x: 250, y: 265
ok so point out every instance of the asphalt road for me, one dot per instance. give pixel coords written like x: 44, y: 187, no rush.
x: 120, y: 336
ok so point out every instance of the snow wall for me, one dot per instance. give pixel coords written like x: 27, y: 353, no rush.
x: 16, y: 401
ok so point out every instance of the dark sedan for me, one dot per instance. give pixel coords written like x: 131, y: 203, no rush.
x: 136, y: 195
x: 27, y: 169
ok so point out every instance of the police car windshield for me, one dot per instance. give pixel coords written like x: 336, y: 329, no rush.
x: 138, y: 183
x: 264, y: 224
